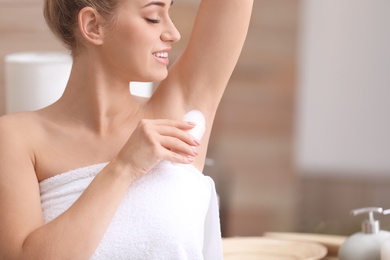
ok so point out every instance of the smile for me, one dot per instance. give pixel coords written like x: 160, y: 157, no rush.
x: 161, y: 54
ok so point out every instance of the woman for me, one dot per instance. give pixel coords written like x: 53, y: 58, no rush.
x: 118, y: 140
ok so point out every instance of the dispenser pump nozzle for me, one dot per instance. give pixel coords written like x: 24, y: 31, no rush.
x: 370, y: 225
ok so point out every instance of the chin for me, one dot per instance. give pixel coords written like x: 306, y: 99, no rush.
x: 158, y: 76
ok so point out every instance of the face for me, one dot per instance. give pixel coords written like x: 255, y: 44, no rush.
x: 136, y: 47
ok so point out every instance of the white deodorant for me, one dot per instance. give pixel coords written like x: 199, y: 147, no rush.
x: 196, y: 117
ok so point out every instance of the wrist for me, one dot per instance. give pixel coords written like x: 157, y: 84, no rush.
x: 122, y: 170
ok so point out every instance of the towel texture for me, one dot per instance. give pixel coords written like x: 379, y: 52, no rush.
x: 170, y: 213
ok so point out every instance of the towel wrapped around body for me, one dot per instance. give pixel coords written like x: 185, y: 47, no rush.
x: 171, y: 213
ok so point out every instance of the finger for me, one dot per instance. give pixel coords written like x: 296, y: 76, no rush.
x: 169, y: 131
x: 178, y: 146
x: 173, y: 123
x: 178, y: 158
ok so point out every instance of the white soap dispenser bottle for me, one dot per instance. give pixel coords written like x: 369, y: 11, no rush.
x: 385, y: 249
x: 366, y: 244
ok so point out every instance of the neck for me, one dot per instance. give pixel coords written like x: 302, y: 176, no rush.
x: 99, y: 101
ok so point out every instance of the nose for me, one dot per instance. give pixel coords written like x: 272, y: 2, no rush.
x: 170, y: 34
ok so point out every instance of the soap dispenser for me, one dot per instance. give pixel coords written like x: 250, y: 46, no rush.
x: 385, y: 248
x: 366, y: 244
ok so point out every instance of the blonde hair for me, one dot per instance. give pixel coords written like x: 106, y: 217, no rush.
x: 61, y: 17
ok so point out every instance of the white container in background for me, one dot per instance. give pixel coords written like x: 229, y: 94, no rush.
x: 141, y: 89
x: 34, y: 80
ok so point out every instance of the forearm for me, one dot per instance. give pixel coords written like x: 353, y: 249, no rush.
x: 76, y: 233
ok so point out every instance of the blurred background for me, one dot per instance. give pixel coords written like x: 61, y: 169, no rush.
x: 302, y: 133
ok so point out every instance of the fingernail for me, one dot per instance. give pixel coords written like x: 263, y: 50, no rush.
x: 195, y: 151
x: 191, y: 123
x: 196, y: 141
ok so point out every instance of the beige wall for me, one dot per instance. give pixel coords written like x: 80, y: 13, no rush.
x: 252, y: 137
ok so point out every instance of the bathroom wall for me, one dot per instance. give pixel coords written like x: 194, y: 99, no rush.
x: 252, y: 140
x: 342, y: 144
x: 344, y: 92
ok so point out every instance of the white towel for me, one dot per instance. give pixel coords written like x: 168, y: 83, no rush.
x: 170, y: 213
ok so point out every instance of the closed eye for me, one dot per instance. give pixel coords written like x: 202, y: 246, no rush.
x: 152, y: 20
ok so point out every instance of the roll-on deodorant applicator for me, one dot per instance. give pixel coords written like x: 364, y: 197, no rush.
x: 198, y: 118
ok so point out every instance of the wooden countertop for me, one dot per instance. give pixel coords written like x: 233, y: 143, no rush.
x: 279, y: 245
x: 331, y: 242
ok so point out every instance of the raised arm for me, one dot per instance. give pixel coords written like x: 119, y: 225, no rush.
x: 201, y: 74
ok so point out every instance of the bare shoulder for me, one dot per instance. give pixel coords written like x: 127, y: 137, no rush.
x: 17, y: 133
x: 16, y: 119
x: 18, y: 125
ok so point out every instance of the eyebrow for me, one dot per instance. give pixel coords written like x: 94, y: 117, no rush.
x: 162, y: 4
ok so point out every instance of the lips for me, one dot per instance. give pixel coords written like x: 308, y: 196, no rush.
x: 162, y: 56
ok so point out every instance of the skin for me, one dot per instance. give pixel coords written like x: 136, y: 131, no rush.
x: 97, y: 120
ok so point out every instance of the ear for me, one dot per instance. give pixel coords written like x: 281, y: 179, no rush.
x: 90, y: 25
